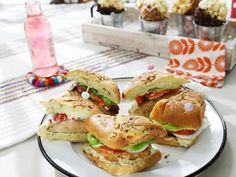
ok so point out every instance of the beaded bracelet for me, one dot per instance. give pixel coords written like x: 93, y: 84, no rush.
x: 53, y: 80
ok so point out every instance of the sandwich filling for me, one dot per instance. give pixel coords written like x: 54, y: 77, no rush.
x: 105, y: 104
x: 131, y: 152
x: 185, y: 132
x: 153, y: 95
x: 62, y: 123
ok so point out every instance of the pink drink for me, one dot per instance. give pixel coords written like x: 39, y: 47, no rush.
x: 40, y: 42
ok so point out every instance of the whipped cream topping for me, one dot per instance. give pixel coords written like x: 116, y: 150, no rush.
x: 117, y: 4
x: 158, y: 7
x: 216, y: 8
x: 180, y: 7
x: 139, y: 3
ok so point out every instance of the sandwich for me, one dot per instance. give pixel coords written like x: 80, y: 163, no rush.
x: 122, y: 144
x: 150, y: 87
x: 68, y: 115
x: 182, y: 116
x: 102, y: 90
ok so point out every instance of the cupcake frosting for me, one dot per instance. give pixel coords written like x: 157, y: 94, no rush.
x: 154, y: 10
x: 181, y: 7
x: 139, y: 3
x: 117, y: 4
x: 216, y: 8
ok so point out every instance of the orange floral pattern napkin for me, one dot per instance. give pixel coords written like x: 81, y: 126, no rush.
x: 201, y: 61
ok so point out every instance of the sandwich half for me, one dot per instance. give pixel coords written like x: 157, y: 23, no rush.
x: 122, y: 144
x: 182, y: 116
x: 103, y: 90
x: 150, y: 87
x: 68, y: 115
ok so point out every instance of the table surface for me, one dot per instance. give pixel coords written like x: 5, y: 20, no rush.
x: 25, y: 159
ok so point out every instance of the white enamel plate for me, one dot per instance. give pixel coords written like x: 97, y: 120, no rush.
x: 70, y: 160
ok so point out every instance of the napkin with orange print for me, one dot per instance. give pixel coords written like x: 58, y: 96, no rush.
x: 201, y: 61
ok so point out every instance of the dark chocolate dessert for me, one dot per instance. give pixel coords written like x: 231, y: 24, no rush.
x: 108, y: 10
x: 205, y: 19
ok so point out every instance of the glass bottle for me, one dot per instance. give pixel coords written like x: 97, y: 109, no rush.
x: 39, y: 37
x: 233, y: 9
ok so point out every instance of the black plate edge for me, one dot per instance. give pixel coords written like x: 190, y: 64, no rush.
x: 199, y: 171
x: 49, y: 159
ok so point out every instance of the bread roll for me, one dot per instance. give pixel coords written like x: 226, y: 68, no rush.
x: 123, y: 166
x: 104, y: 85
x: 74, y: 106
x: 72, y: 137
x: 173, y: 110
x: 151, y: 81
x: 120, y: 131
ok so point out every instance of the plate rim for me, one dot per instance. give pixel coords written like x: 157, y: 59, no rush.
x: 197, y: 172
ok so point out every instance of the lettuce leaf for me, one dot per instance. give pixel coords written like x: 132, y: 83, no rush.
x: 139, y: 147
x: 174, y: 128
x: 93, y: 141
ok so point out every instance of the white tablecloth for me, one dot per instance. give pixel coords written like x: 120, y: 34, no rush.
x: 24, y: 159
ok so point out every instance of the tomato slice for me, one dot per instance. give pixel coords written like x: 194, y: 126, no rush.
x: 80, y: 88
x: 184, y: 132
x: 60, y: 117
x: 98, y: 99
x: 139, y: 99
x: 106, y: 148
x: 158, y: 94
x: 154, y: 95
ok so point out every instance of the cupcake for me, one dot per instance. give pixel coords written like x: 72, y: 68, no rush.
x: 211, y: 13
x: 185, y: 7
x: 111, y: 12
x: 154, y: 16
x: 184, y: 11
x: 107, y: 7
x: 139, y: 3
x: 210, y: 19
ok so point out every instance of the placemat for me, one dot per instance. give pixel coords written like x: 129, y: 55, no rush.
x: 20, y: 110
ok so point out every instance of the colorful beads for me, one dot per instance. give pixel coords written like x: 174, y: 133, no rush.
x: 56, y: 79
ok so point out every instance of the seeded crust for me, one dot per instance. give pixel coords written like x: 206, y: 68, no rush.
x: 72, y: 106
x: 120, y: 131
x: 123, y: 166
x: 172, y: 110
x: 103, y: 84
x: 151, y: 81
